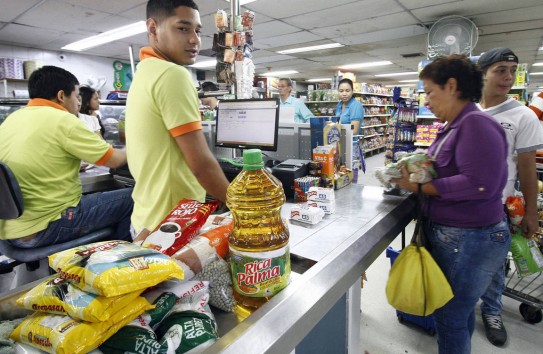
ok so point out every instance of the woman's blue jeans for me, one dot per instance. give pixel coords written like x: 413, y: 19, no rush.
x: 469, y: 258
x: 94, y: 212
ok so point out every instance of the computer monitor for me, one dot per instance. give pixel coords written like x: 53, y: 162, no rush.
x: 248, y: 124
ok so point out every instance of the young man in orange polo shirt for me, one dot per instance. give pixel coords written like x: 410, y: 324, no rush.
x: 44, y: 144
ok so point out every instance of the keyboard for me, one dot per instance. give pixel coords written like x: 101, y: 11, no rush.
x: 230, y: 170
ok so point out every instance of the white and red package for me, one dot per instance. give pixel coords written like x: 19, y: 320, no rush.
x: 180, y: 226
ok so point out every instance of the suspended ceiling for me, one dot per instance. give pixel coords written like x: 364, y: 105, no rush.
x: 371, y: 30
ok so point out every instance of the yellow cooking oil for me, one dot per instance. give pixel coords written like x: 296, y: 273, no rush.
x: 259, y: 250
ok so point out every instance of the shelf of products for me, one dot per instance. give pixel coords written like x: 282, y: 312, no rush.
x: 20, y: 83
x: 377, y: 110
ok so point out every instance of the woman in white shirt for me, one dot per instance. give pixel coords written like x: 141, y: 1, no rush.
x: 90, y: 103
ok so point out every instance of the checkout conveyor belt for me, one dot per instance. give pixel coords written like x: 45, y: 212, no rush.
x: 329, y: 257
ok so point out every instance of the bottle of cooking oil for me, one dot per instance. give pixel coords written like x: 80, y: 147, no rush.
x: 259, y: 251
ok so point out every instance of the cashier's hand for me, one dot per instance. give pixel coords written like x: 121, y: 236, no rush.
x: 404, y: 181
x: 83, y: 166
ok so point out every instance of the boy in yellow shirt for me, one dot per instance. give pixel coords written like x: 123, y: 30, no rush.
x: 44, y: 144
x: 167, y: 151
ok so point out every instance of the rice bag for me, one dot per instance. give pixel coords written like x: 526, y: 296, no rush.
x: 179, y: 226
x: 57, y: 296
x: 113, y: 268
x: 64, y: 335
x: 190, y: 326
x: 138, y: 336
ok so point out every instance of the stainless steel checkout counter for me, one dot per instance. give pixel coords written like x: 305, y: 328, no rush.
x: 319, y: 312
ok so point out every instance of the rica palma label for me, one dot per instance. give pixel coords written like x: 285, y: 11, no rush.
x: 260, y: 274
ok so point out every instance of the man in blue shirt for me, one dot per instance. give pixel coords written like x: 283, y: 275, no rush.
x: 301, y: 112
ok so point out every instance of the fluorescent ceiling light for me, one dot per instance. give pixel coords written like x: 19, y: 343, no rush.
x: 401, y: 85
x: 540, y: 48
x: 205, y: 64
x: 537, y: 73
x: 310, y: 48
x: 109, y: 36
x: 416, y: 80
x: 279, y: 73
x: 243, y: 2
x: 537, y: 64
x: 319, y: 80
x: 397, y: 74
x: 106, y: 37
x: 365, y: 65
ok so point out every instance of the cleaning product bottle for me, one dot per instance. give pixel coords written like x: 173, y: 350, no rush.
x: 259, y: 251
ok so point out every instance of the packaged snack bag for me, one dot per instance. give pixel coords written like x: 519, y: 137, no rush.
x: 113, y: 268
x: 515, y: 209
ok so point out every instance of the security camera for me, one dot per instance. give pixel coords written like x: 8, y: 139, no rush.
x: 61, y: 57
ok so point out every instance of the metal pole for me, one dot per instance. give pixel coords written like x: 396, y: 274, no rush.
x: 132, y: 66
x: 234, y: 11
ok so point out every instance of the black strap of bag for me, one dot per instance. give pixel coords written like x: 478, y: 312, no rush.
x: 419, y: 236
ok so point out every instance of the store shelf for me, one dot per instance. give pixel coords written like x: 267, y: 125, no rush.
x: 371, y: 136
x: 373, y: 126
x: 422, y: 144
x: 377, y: 115
x: 5, y: 81
x: 426, y: 117
x: 377, y: 105
x: 374, y: 149
x: 372, y: 94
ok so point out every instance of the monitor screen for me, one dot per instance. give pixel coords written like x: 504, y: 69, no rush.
x: 248, y: 124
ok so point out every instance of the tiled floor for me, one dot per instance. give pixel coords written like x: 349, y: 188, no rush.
x: 381, y: 333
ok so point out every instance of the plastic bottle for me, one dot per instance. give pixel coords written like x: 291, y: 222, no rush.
x: 259, y: 251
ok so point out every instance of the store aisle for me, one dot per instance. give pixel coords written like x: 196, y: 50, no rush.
x: 381, y: 333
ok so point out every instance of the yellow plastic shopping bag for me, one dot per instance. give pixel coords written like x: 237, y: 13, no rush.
x: 416, y: 285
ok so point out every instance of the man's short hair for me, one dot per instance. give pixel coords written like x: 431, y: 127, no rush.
x: 496, y: 55
x: 160, y: 9
x: 209, y: 86
x: 48, y: 80
x: 289, y: 81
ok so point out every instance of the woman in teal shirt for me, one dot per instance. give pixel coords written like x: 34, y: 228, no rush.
x: 348, y: 108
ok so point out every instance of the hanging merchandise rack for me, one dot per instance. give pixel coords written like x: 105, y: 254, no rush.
x: 233, y: 46
x: 401, y: 130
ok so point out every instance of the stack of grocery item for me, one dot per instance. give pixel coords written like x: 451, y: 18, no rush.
x: 105, y: 290
x: 95, y: 292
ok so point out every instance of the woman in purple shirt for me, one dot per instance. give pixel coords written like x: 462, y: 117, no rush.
x: 465, y: 220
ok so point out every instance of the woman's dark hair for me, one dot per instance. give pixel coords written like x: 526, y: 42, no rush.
x: 346, y: 81
x: 48, y: 80
x: 160, y: 9
x: 468, y: 76
x: 86, y: 96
